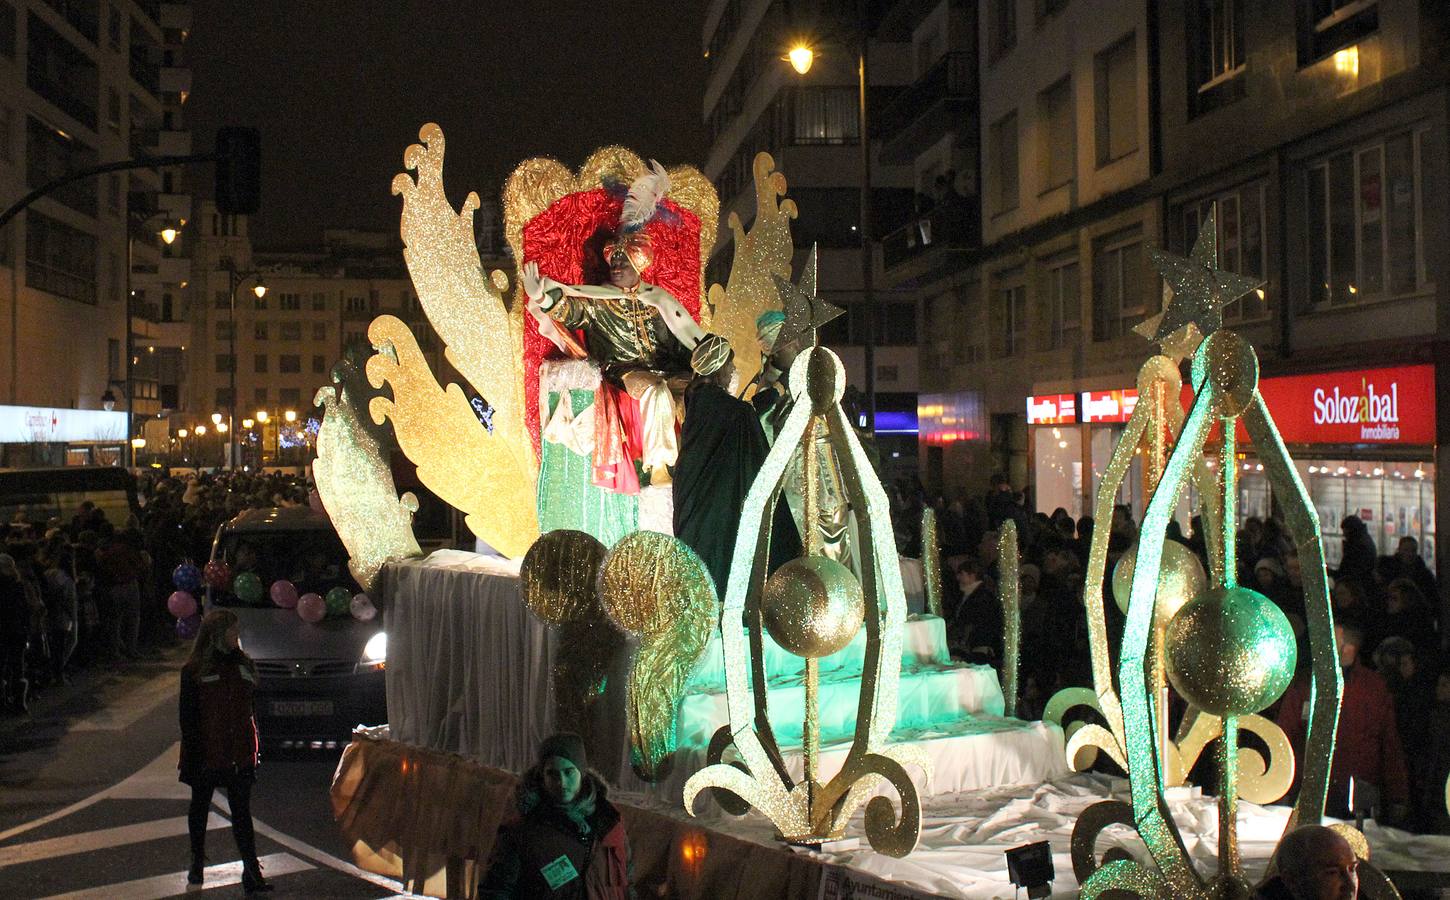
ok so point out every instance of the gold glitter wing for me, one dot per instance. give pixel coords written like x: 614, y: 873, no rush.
x: 485, y: 475
x: 761, y: 253
x: 655, y: 587
x: 465, y: 307
x: 356, y: 486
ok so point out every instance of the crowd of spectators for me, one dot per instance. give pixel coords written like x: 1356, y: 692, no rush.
x: 88, y: 592
x: 1394, y: 731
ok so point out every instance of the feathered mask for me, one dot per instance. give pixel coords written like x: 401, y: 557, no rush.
x: 641, y: 205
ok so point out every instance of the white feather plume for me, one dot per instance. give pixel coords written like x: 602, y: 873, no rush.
x: 644, y: 196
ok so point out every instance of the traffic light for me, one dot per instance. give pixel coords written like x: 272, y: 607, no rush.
x: 238, y: 170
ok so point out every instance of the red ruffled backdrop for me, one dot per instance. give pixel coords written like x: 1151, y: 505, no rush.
x: 567, y: 241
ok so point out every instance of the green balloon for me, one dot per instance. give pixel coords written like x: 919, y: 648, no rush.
x: 339, y: 601
x: 247, y: 586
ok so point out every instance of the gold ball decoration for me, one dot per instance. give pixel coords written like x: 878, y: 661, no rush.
x: 1230, y: 366
x: 559, y: 575
x: 1230, y: 652
x: 813, y: 606
x: 1180, y: 578
x: 650, y: 580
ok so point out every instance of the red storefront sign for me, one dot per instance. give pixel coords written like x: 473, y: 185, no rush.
x: 1052, y: 409
x: 1394, y: 405
x: 1108, y: 406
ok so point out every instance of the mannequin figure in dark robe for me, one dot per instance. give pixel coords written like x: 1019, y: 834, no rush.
x: 722, y: 448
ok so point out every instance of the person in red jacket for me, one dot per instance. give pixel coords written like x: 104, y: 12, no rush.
x: 1367, y: 744
x: 567, y: 841
x: 219, y: 740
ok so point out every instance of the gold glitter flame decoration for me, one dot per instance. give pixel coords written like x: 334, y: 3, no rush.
x: 355, y: 483
x: 931, y: 562
x: 464, y: 307
x: 560, y: 576
x: 808, y: 811
x: 762, y: 252
x: 484, y: 475
x: 1011, y: 597
x: 655, y: 587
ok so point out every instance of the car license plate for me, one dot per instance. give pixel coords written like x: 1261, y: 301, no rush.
x: 301, y: 707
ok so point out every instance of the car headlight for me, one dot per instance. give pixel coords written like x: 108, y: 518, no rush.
x: 375, y: 654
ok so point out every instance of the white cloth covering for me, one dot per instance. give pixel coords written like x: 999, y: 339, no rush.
x: 468, y: 665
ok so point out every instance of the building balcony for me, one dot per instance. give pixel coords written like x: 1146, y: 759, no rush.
x: 941, y: 101
x: 899, y: 18
x: 928, y: 243
x: 951, y: 226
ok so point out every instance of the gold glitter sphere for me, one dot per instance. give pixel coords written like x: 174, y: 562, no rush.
x: 650, y: 580
x: 1180, y: 578
x: 559, y: 575
x: 813, y: 606
x: 1230, y: 652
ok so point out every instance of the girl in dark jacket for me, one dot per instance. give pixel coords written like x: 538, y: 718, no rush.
x: 219, y: 739
x: 567, y: 841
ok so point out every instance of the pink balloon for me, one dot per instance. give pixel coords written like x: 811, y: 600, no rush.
x: 181, y: 604
x: 311, y: 607
x: 363, y: 609
x: 284, y: 593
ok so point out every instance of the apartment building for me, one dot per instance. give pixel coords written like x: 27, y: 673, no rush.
x: 86, y: 82
x: 1315, y: 130
x: 754, y: 101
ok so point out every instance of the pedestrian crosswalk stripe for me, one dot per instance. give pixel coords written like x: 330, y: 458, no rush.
x: 130, y: 708
x: 223, y: 875
x: 101, y: 839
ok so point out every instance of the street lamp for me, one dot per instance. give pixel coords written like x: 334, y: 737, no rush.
x: 262, y: 416
x: 216, y: 418
x: 290, y: 415
x: 801, y: 58
x: 235, y: 280
x: 169, y: 234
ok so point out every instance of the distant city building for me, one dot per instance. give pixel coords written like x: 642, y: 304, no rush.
x: 82, y: 84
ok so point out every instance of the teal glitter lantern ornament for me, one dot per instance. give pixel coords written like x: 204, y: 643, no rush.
x: 1230, y: 652
x: 339, y: 601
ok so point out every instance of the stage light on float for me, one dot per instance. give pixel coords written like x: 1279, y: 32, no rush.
x: 375, y: 653
x: 1030, y: 866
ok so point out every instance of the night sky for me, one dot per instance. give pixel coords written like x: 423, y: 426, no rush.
x: 339, y: 90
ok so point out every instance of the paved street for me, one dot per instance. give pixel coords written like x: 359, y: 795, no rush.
x: 90, y: 805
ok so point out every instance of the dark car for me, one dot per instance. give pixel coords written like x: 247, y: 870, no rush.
x: 317, y: 680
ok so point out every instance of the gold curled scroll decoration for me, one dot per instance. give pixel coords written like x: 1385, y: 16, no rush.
x: 457, y: 458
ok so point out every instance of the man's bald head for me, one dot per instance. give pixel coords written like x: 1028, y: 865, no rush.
x: 1316, y: 863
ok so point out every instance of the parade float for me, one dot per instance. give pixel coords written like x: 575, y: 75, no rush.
x: 793, y: 729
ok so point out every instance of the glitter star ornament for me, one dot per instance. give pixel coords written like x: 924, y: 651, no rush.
x: 804, y: 311
x: 1200, y: 289
x: 1177, y: 346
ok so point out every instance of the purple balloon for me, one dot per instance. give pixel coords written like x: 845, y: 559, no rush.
x: 284, y: 593
x: 181, y: 604
x: 187, y: 628
x: 186, y: 577
x: 311, y: 607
